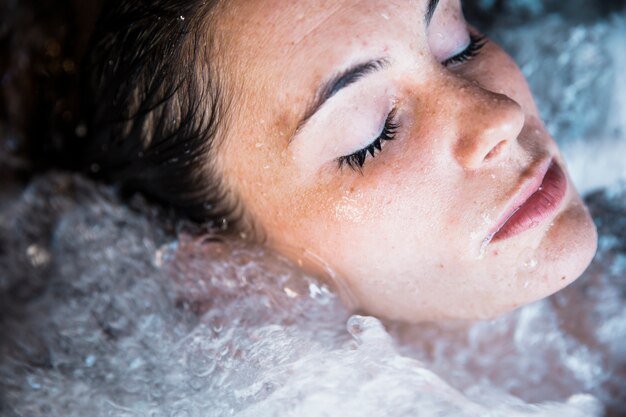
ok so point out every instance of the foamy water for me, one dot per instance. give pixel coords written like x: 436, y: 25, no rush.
x: 109, y: 309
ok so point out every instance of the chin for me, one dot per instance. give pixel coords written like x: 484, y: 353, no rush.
x: 577, y: 233
x: 568, y: 248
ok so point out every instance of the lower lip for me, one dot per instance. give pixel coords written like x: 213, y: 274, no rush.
x: 539, y: 206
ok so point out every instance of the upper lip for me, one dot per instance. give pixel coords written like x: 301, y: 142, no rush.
x: 526, y: 188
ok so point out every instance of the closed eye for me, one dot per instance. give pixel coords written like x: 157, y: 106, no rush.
x: 474, y: 47
x: 357, y: 159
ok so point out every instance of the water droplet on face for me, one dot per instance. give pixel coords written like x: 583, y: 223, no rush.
x: 531, y: 264
x: 475, y: 235
x: 527, y: 262
x: 483, y: 246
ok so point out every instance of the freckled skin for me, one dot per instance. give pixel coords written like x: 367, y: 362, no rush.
x: 404, y: 236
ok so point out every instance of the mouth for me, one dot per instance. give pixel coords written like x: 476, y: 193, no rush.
x: 537, y: 199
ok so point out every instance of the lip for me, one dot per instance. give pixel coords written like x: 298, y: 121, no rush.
x: 539, y: 196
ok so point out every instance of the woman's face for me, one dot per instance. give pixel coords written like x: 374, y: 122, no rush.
x: 382, y: 140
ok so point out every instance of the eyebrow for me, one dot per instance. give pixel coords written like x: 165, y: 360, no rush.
x: 340, y: 81
x: 430, y: 11
x: 351, y: 75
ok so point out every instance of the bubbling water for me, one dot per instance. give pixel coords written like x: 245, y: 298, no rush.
x: 130, y: 316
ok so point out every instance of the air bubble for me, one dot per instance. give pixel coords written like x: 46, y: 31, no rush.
x: 90, y: 361
x: 38, y: 255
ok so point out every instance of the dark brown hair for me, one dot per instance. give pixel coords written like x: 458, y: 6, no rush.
x: 156, y: 105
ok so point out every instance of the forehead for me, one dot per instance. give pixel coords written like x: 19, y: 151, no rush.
x: 259, y: 25
x: 292, y: 21
x: 282, y: 46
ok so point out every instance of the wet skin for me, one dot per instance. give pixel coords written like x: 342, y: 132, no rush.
x: 409, y: 233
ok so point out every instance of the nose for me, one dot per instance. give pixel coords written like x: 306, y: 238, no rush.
x: 488, y: 126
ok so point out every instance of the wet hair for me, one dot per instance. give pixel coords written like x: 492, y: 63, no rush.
x: 156, y: 105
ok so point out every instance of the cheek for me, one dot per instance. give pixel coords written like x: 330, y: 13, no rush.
x: 376, y: 226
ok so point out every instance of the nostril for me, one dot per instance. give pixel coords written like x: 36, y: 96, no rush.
x: 496, y: 150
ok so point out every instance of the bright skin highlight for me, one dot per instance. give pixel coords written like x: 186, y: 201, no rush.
x: 393, y: 142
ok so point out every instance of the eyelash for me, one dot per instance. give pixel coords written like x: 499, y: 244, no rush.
x: 476, y: 44
x: 356, y: 160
